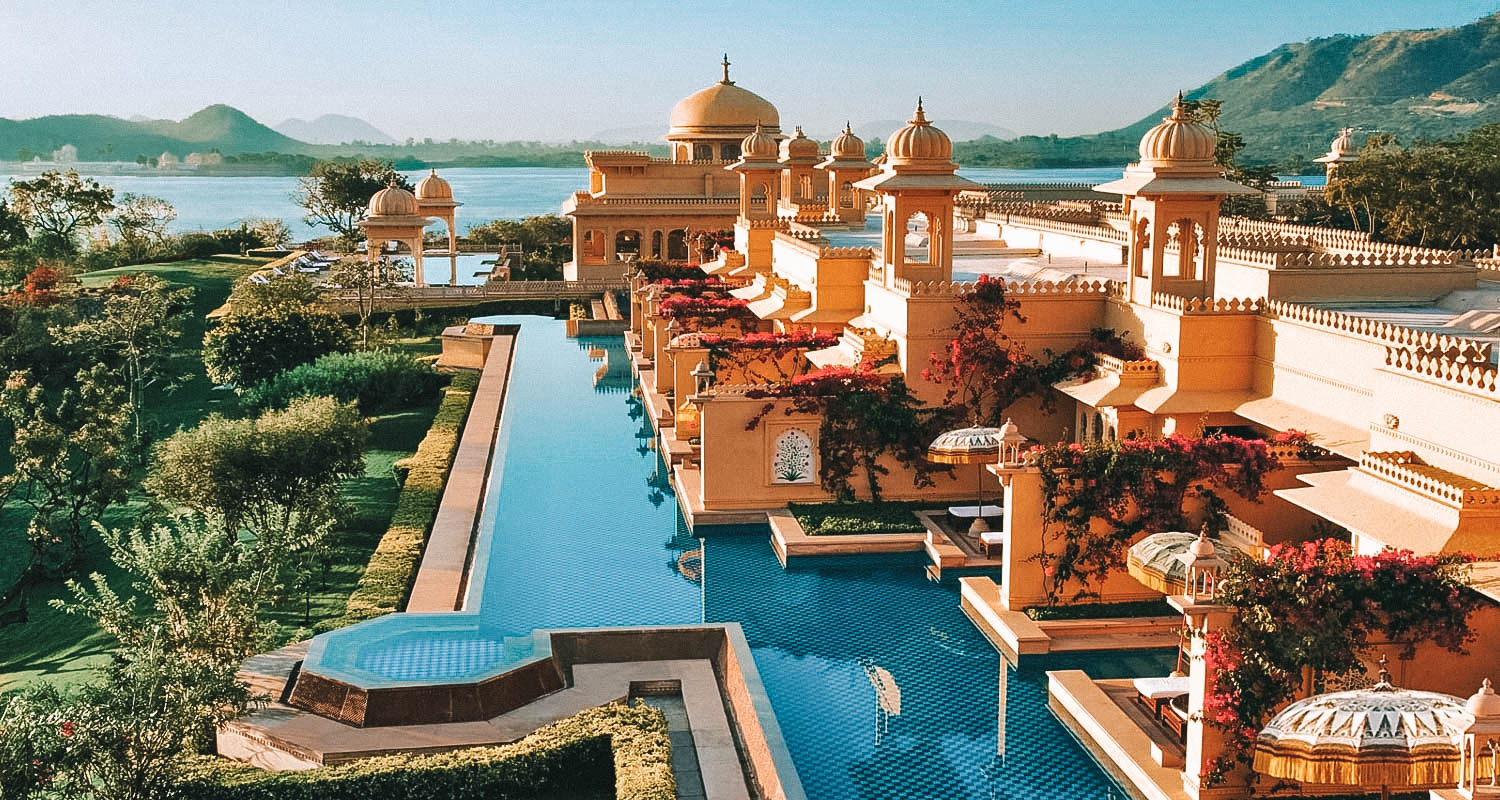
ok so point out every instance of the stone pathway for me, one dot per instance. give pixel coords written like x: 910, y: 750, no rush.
x: 684, y: 753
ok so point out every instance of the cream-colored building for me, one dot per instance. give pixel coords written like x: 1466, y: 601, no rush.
x: 637, y: 205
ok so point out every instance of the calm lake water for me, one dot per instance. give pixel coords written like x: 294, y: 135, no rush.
x: 207, y: 203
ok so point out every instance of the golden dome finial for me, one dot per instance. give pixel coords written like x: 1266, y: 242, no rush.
x: 726, y: 71
x: 921, y: 116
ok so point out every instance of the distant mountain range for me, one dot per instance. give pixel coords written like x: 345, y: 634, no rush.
x: 1290, y: 103
x: 105, y: 138
x: 334, y: 129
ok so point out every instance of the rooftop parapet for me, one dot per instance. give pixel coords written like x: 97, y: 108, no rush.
x: 1396, y: 336
x: 1098, y: 288
x: 1467, y: 372
x: 1403, y: 467
x: 586, y: 199
x: 1204, y: 305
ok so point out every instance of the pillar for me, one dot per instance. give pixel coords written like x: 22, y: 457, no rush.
x: 1022, y: 581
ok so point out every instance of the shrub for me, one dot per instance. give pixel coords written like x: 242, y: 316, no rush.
x: 822, y: 519
x: 388, y: 576
x: 379, y: 381
x: 615, y: 751
x: 245, y: 349
x: 1134, y: 608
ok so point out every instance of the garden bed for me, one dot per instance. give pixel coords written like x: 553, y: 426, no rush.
x: 1138, y: 608
x: 610, y: 752
x: 835, y: 519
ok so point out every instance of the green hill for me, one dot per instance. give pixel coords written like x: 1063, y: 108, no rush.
x: 1291, y: 102
x: 105, y: 138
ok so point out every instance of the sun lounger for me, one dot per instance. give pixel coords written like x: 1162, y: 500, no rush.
x: 1166, y: 698
x: 259, y: 279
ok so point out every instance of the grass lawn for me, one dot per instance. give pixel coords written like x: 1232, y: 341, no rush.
x: 832, y: 519
x: 66, y: 649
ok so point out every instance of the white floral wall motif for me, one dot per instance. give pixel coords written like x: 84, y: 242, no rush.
x: 792, y: 457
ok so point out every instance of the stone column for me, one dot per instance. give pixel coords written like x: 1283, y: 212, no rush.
x: 1022, y: 581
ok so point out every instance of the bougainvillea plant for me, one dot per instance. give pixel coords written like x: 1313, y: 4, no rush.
x: 692, y: 286
x: 1098, y: 497
x: 682, y: 306
x: 865, y: 415
x: 1307, y: 616
x: 986, y: 371
x: 656, y: 269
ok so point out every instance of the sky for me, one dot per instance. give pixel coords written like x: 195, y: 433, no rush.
x: 477, y: 69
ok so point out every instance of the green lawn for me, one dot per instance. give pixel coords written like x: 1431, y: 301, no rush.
x: 66, y: 649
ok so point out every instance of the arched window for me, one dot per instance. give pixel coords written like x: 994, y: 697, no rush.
x: 804, y: 187
x: 792, y: 457
x: 1172, y: 267
x: 919, y: 235
x: 760, y: 198
x: 846, y: 195
x: 729, y: 151
x: 677, y: 245
x: 681, y: 152
x: 1142, y: 248
x: 628, y: 243
x: 656, y: 244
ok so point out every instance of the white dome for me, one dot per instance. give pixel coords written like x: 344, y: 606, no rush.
x: 1178, y: 139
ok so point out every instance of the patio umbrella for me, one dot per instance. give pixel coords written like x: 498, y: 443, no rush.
x: 978, y: 446
x: 1382, y: 736
x: 1160, y: 560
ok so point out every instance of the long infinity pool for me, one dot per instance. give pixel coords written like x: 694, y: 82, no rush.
x: 882, y: 687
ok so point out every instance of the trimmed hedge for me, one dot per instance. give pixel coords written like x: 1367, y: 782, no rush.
x: 828, y: 519
x: 393, y: 565
x: 615, y: 751
x: 379, y: 380
x: 1135, y: 608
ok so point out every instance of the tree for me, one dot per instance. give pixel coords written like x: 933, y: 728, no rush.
x: 292, y: 292
x: 57, y: 206
x: 12, y: 229
x: 206, y: 587
x: 336, y: 193
x: 245, y: 349
x: 34, y: 729
x: 271, y: 232
x: 545, y: 241
x: 69, y: 449
x: 367, y: 280
x: 141, y: 222
x: 136, y: 332
x: 276, y: 475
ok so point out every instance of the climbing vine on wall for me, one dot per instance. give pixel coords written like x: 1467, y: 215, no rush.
x: 864, y: 416
x: 986, y: 371
x: 1097, y: 497
x: 1312, y: 610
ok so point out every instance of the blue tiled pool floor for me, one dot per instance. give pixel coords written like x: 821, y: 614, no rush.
x: 882, y: 687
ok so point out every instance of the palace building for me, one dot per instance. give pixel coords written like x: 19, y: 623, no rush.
x: 1383, y: 354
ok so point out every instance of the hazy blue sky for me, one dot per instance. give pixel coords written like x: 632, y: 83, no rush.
x: 555, y: 70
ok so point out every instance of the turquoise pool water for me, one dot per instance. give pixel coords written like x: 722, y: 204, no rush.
x: 882, y: 687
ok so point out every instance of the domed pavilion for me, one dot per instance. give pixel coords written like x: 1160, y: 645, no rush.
x: 395, y: 215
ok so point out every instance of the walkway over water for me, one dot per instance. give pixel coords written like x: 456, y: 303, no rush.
x: 450, y: 296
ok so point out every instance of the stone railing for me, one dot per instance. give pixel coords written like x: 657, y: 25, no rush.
x: 621, y: 153
x: 764, y: 224
x: 1242, y: 536
x: 1140, y: 368
x: 1465, y: 374
x: 1405, y: 468
x: 1204, y: 305
x: 586, y: 199
x: 1374, y: 330
x: 1099, y: 288
x: 847, y: 252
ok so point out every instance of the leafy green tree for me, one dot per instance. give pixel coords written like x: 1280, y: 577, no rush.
x: 58, y: 206
x: 271, y: 232
x: 245, y: 349
x: 12, y: 229
x: 291, y: 292
x: 336, y: 193
x: 141, y: 223
x: 136, y: 331
x: 366, y: 281
x: 276, y: 475
x: 203, y: 584
x: 70, y: 454
x: 545, y: 240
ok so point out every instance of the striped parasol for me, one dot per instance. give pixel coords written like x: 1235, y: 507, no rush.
x: 977, y: 445
x: 1159, y: 561
x: 1381, y: 736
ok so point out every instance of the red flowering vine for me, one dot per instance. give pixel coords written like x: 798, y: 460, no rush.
x: 1317, y: 608
x: 683, y: 306
x: 1132, y: 485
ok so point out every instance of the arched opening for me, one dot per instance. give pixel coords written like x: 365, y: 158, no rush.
x: 681, y: 153
x: 846, y: 195
x: 760, y: 199
x: 729, y: 151
x: 918, y: 239
x: 1141, y: 247
x: 1172, y: 267
x: 628, y: 244
x: 804, y: 187
x: 703, y: 152
x: 656, y: 244
x: 1197, y: 270
x: 593, y: 244
x: 1186, y: 235
x: 677, y: 245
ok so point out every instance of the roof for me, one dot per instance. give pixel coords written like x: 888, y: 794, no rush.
x: 1347, y: 440
x: 722, y: 109
x: 1339, y: 497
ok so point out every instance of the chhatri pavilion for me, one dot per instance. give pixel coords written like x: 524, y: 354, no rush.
x: 1383, y: 353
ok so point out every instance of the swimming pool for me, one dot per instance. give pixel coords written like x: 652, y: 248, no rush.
x: 882, y: 687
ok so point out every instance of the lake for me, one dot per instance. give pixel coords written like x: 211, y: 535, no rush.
x: 207, y: 203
